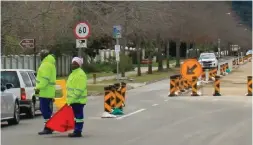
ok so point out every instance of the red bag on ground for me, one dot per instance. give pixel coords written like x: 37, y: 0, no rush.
x: 63, y: 120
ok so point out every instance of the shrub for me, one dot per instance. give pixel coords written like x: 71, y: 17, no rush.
x: 125, y: 64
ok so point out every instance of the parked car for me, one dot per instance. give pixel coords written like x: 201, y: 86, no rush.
x: 208, y: 60
x: 10, y: 110
x: 21, y: 83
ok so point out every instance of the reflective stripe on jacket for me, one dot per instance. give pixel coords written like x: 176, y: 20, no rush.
x: 77, y: 87
x: 46, y: 77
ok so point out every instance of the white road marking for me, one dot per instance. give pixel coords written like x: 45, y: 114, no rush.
x: 166, y: 100
x: 135, y: 112
x: 155, y: 104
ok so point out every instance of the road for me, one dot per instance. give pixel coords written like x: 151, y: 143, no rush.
x: 151, y: 118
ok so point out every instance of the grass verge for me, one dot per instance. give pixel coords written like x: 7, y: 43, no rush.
x: 90, y: 75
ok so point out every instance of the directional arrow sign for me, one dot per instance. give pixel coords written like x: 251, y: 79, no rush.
x: 190, y: 71
x: 191, y: 68
x: 27, y: 43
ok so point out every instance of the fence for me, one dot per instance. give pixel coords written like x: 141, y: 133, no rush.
x: 62, y: 63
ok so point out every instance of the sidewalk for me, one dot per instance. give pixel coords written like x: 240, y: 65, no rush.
x: 234, y: 84
x: 143, y: 70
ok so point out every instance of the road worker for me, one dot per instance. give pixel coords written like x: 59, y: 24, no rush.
x: 45, y: 87
x: 77, y: 94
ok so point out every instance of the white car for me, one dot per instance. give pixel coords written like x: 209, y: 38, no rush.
x: 208, y: 60
x: 22, y: 83
x: 10, y: 110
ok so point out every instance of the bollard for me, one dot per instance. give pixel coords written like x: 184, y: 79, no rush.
x: 119, y: 97
x: 189, y: 84
x: 107, y: 100
x: 249, y: 86
x: 94, y: 78
x: 185, y: 84
x: 173, y: 87
x: 181, y: 84
x: 217, y: 86
x: 177, y: 84
x: 123, y: 92
x: 113, y: 96
x: 194, y: 86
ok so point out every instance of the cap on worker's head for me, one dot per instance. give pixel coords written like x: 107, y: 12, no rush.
x: 44, y: 52
x: 78, y: 60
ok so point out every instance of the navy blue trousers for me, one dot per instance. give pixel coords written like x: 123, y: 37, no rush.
x: 78, y: 113
x: 45, y: 108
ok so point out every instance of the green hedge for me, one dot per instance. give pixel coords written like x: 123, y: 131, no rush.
x: 110, y: 65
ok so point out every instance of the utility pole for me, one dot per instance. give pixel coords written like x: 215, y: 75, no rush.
x: 80, y: 50
x: 219, y: 55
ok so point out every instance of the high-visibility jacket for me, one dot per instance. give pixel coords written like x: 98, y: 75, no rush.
x: 46, y: 77
x: 77, y: 87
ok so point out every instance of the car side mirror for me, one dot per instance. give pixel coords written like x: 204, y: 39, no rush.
x: 3, y: 88
x: 9, y: 85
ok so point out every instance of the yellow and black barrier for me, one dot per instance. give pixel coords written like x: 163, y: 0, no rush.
x: 119, y: 96
x: 181, y: 84
x: 123, y: 92
x: 107, y: 99
x: 173, y: 86
x: 113, y: 96
x: 194, y: 86
x: 249, y: 85
x: 217, y: 86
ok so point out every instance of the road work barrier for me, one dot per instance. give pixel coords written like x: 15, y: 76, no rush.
x: 194, y: 86
x: 217, y: 86
x: 249, y: 85
x: 173, y: 86
x: 114, y: 100
x: 60, y: 102
x: 123, y: 92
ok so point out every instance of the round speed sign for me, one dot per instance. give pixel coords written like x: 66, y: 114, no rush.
x: 82, y: 30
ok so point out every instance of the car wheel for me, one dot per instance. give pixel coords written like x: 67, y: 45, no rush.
x: 16, y: 115
x: 31, y: 110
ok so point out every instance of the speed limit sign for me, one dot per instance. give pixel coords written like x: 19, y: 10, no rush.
x: 82, y: 30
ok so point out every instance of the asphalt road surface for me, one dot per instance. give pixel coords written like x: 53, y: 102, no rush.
x: 151, y: 118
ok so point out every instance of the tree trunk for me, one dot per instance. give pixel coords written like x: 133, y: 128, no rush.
x: 138, y: 57
x: 159, y: 56
x: 150, y: 64
x: 178, y: 53
x: 168, y: 55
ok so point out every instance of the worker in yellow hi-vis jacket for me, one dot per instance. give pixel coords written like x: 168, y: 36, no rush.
x: 77, y: 94
x: 45, y: 86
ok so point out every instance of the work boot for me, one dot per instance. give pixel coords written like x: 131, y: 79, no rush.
x: 75, y: 134
x: 45, y: 131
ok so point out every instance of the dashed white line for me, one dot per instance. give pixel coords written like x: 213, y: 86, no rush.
x: 135, y: 112
x: 155, y: 104
x: 166, y: 100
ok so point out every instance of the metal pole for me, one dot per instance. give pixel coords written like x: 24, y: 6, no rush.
x: 34, y: 51
x: 219, y: 48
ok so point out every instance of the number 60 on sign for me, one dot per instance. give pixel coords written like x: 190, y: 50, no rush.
x: 82, y: 30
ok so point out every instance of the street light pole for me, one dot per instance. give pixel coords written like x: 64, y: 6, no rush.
x: 219, y: 48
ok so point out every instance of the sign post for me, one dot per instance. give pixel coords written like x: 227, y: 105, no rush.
x: 117, y: 35
x: 82, y: 32
x: 29, y: 44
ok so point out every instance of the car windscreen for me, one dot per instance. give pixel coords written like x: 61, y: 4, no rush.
x: 10, y: 77
x: 206, y: 56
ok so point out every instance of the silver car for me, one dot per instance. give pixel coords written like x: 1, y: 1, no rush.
x: 9, y: 105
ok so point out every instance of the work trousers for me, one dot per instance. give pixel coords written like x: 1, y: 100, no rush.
x: 45, y: 108
x: 78, y: 113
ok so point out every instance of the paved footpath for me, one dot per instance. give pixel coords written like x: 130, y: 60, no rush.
x: 151, y: 118
x: 233, y: 84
